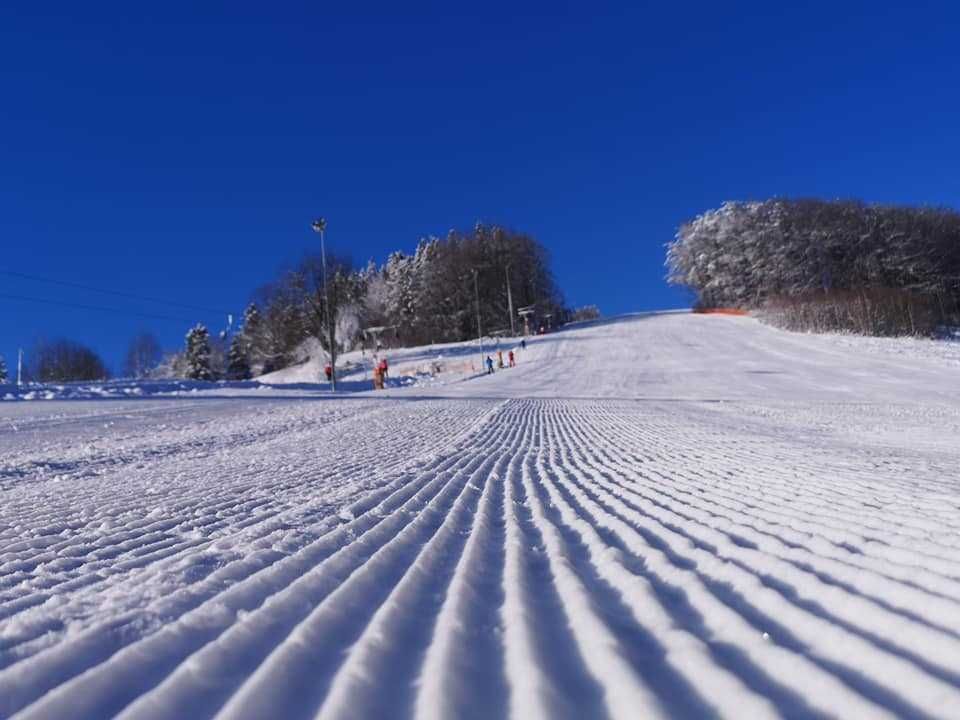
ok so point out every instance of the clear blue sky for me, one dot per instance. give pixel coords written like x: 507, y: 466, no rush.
x: 180, y: 150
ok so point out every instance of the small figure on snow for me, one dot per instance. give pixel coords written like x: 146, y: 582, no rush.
x: 523, y: 344
x: 511, y: 359
x: 500, y: 359
x: 489, y: 365
x: 383, y: 367
x: 328, y: 371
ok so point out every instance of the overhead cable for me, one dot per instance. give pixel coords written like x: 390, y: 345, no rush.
x: 117, y: 293
x: 79, y: 306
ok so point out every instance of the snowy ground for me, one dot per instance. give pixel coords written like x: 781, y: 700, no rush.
x: 667, y: 515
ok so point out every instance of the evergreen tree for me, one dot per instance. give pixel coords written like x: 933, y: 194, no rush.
x: 252, y: 325
x: 198, y: 354
x: 3, y: 370
x: 269, y: 336
x: 238, y: 362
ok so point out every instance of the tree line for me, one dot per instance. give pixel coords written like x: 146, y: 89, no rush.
x: 432, y: 295
x: 65, y: 360
x: 823, y: 265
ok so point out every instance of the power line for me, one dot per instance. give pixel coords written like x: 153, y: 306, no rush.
x: 117, y: 293
x: 78, y: 306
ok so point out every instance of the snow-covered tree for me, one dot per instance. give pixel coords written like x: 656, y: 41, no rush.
x: 143, y: 355
x: 376, y: 306
x: 252, y: 328
x: 3, y: 370
x: 429, y: 296
x: 842, y: 264
x: 238, y: 362
x: 332, y: 295
x: 586, y: 312
x: 197, y: 354
x: 171, y: 365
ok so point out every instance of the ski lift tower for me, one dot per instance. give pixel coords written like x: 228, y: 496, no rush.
x: 525, y: 313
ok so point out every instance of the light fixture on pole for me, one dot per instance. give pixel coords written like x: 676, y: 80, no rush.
x: 320, y: 226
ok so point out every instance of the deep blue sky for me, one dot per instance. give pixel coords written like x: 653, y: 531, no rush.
x: 180, y: 150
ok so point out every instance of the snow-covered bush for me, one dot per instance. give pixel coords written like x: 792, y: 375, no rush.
x: 586, y: 312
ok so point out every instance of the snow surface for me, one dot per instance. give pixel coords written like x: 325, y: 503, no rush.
x: 661, y: 515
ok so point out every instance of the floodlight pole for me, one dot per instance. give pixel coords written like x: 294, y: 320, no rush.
x: 320, y: 226
x: 476, y: 289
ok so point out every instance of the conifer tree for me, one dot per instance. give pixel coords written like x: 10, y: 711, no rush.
x: 238, y: 362
x: 252, y: 322
x: 252, y: 335
x: 198, y: 354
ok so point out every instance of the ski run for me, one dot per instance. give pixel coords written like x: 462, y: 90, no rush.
x: 664, y: 515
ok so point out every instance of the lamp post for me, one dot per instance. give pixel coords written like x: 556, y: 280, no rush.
x: 320, y: 225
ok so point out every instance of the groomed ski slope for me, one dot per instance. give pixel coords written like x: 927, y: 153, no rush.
x: 659, y: 516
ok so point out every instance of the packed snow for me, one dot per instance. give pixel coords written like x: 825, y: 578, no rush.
x: 663, y: 515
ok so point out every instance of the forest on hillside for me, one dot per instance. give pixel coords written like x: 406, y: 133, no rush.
x: 431, y: 295
x: 818, y: 265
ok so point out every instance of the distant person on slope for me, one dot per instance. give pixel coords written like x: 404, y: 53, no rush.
x: 510, y: 359
x: 489, y: 365
x: 523, y: 344
x: 500, y: 359
x: 328, y: 371
x: 383, y: 367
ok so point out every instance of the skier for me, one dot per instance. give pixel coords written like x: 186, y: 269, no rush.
x: 510, y: 359
x: 523, y: 344
x: 328, y: 371
x: 489, y: 365
x: 500, y: 359
x: 383, y: 367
